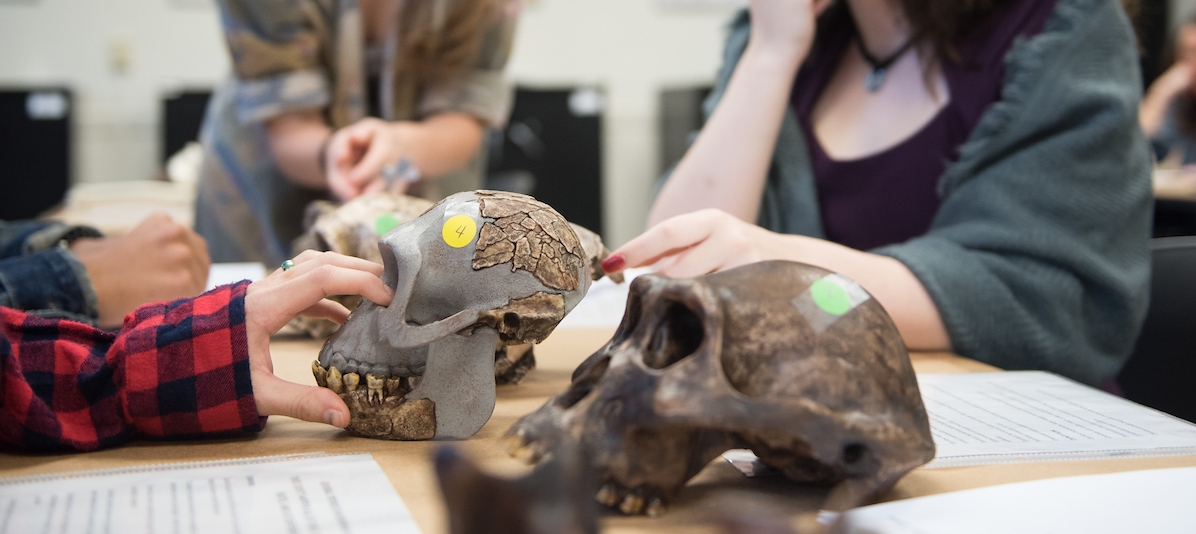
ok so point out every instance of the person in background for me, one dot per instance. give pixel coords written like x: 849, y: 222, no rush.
x: 56, y: 270
x: 346, y: 97
x: 191, y: 368
x: 977, y: 166
x: 1168, y: 110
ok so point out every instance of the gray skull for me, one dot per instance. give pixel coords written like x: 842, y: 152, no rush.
x: 476, y: 269
x: 794, y: 362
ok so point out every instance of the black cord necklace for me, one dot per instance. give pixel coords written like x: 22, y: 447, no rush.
x: 880, y: 67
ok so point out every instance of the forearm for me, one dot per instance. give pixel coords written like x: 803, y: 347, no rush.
x: 1153, y: 111
x: 441, y: 143
x: 176, y: 369
x: 888, y: 280
x: 727, y: 165
x: 296, y: 142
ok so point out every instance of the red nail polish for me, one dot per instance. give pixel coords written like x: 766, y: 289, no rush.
x: 613, y: 263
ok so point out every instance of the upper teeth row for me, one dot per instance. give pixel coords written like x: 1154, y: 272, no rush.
x: 377, y: 387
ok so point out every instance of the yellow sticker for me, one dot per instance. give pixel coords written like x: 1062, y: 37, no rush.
x: 459, y: 230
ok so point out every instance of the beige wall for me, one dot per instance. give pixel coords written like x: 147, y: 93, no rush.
x: 121, y: 56
x: 633, y: 49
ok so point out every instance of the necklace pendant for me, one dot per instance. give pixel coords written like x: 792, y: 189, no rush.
x: 875, y: 79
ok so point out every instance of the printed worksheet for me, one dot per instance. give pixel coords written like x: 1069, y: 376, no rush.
x: 1021, y: 416
x: 1157, y: 501
x: 1028, y: 415
x: 310, y: 493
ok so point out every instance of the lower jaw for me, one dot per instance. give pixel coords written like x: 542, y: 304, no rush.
x: 378, y: 406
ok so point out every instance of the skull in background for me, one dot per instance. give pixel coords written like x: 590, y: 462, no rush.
x: 476, y: 269
x: 794, y: 362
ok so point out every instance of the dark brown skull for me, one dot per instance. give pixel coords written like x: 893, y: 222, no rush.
x: 794, y: 362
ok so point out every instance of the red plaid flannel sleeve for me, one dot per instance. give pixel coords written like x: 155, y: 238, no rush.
x: 176, y: 369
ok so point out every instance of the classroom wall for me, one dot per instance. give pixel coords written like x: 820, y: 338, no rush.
x: 1181, y: 9
x: 632, y: 49
x: 122, y: 57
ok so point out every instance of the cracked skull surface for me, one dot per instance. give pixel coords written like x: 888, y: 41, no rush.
x: 477, y: 269
x: 794, y: 362
x: 353, y: 229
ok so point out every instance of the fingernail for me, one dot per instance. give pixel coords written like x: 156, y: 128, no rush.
x: 334, y: 418
x: 613, y: 263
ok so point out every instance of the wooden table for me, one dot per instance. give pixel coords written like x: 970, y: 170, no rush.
x: 410, y: 470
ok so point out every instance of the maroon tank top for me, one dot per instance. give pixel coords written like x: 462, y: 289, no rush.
x: 891, y: 196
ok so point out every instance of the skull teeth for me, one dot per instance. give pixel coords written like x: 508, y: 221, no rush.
x: 632, y: 504
x: 374, y: 387
x: 334, y: 381
x: 655, y: 508
x: 519, y: 448
x: 608, y: 495
x: 642, y: 500
x: 377, y: 388
x: 396, y: 385
x: 320, y: 373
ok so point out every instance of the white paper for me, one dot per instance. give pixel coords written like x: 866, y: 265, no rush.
x: 1025, y: 416
x: 1157, y: 501
x: 311, y: 493
x: 228, y: 273
x: 1030, y: 415
x: 604, y: 303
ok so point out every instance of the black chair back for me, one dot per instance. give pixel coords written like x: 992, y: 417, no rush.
x: 1161, y: 373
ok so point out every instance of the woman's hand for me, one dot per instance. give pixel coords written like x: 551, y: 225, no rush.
x: 701, y: 242
x: 1152, y: 112
x: 785, y: 26
x: 710, y: 240
x: 273, y: 301
x: 356, y: 155
x: 1176, y: 80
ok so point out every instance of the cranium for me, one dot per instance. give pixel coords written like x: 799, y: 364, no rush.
x: 794, y: 362
x: 476, y: 269
x: 353, y: 229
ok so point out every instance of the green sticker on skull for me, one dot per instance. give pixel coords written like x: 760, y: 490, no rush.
x: 385, y: 223
x: 830, y: 297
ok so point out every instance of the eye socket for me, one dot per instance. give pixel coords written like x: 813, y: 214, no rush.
x: 390, y: 266
x: 854, y: 452
x: 677, y: 335
x: 511, y: 321
x: 631, y: 316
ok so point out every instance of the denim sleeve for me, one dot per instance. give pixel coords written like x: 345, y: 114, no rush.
x: 276, y: 47
x: 40, y: 275
x: 483, y: 91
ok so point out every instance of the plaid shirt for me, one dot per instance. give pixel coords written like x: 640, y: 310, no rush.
x: 175, y: 370
x: 292, y: 55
